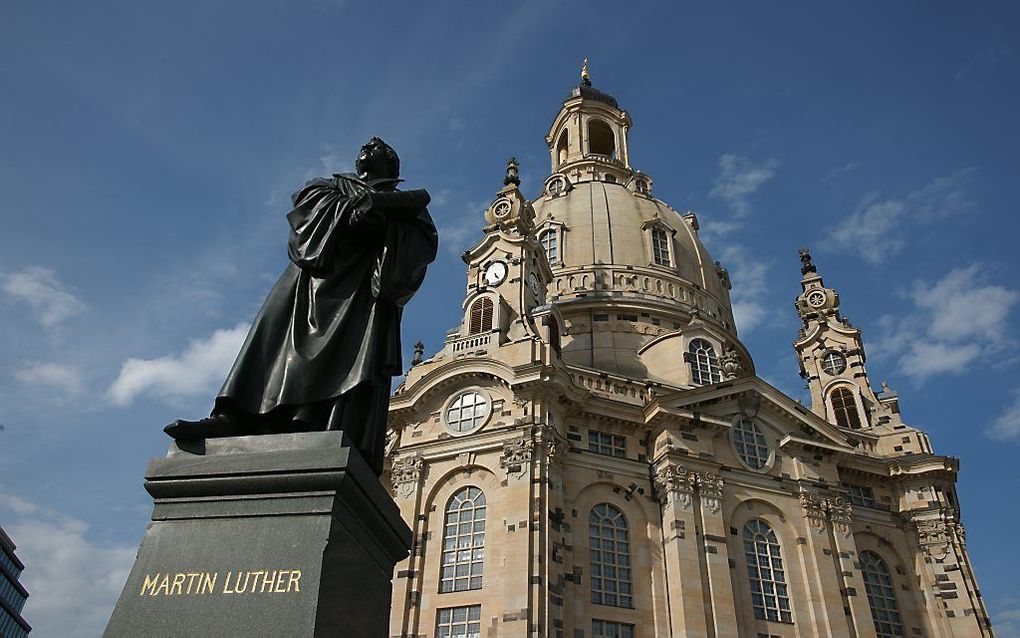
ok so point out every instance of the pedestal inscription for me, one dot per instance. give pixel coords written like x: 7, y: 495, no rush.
x: 287, y: 534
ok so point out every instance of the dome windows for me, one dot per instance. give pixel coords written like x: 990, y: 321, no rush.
x: 562, y: 148
x: 660, y: 247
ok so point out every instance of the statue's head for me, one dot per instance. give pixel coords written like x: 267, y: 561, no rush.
x: 377, y: 159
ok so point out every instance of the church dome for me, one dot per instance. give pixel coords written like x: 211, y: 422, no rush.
x: 629, y: 271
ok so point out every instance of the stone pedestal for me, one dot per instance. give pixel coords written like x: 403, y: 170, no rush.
x: 273, y: 535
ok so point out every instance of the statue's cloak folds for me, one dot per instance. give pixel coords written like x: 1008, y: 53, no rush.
x: 332, y: 321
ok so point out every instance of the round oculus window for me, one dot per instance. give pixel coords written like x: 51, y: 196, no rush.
x: 467, y: 412
x: 833, y: 362
x: 750, y: 444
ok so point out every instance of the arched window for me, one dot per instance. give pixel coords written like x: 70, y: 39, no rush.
x: 481, y: 316
x: 600, y: 139
x: 845, y: 408
x: 463, y: 541
x: 881, y: 595
x: 765, y: 570
x: 549, y: 240
x: 609, y: 547
x: 660, y: 247
x: 561, y: 147
x: 704, y: 363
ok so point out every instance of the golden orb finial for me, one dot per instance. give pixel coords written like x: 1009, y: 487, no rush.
x: 585, y: 76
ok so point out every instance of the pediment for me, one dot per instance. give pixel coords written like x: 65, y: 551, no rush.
x: 718, y: 405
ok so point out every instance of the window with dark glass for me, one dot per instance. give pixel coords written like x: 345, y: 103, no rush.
x: 605, y: 443
x: 609, y: 551
x: 861, y: 495
x: 769, y: 595
x: 881, y: 595
x: 611, y: 629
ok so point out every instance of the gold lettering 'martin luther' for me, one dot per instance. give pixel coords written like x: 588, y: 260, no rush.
x: 276, y: 581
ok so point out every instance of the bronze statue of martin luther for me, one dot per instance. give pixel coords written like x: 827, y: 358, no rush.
x: 326, y: 342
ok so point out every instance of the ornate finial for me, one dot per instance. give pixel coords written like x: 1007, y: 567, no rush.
x: 585, y: 76
x: 419, y: 351
x: 885, y: 388
x: 805, y: 260
x: 512, y: 174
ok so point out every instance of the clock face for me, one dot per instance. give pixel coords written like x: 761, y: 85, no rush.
x: 816, y: 299
x: 495, y: 273
x: 533, y: 283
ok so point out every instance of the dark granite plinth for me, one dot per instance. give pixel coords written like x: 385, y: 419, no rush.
x: 276, y: 535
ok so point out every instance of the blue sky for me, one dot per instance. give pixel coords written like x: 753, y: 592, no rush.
x: 148, y: 150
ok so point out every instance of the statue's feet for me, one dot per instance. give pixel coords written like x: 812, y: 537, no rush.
x: 214, y: 426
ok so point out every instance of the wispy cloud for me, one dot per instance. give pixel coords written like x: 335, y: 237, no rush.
x: 750, y: 289
x: 64, y: 379
x: 50, y: 301
x: 739, y: 178
x: 73, y: 581
x: 195, y: 371
x: 873, y: 230
x: 839, y: 171
x: 459, y: 226
x: 1007, y: 426
x: 1005, y: 614
x: 987, y: 58
x: 956, y: 321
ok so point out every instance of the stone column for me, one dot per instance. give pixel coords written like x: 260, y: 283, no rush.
x: 717, y: 557
x: 947, y: 576
x: 820, y: 568
x: 407, y: 476
x: 674, y: 486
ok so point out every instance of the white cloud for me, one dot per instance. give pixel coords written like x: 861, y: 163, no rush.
x: 1005, y: 614
x: 957, y: 321
x: 749, y: 287
x: 872, y: 231
x: 738, y: 179
x: 839, y: 171
x: 459, y: 227
x: 62, y: 378
x: 1007, y: 426
x: 73, y: 582
x: 195, y: 371
x: 50, y: 300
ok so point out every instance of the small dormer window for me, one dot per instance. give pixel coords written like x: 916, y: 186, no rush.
x: 549, y: 239
x: 660, y: 247
x: 610, y: 179
x: 481, y: 316
x: 642, y: 186
x: 704, y: 363
x: 844, y: 408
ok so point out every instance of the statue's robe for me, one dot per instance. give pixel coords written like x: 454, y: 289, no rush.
x: 332, y: 322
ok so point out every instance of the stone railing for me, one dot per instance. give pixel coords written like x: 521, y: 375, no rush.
x: 616, y: 388
x: 471, y: 342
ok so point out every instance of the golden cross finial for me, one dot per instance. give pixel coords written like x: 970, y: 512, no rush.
x: 584, y: 71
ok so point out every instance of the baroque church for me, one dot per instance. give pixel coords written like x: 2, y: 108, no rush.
x: 591, y: 453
